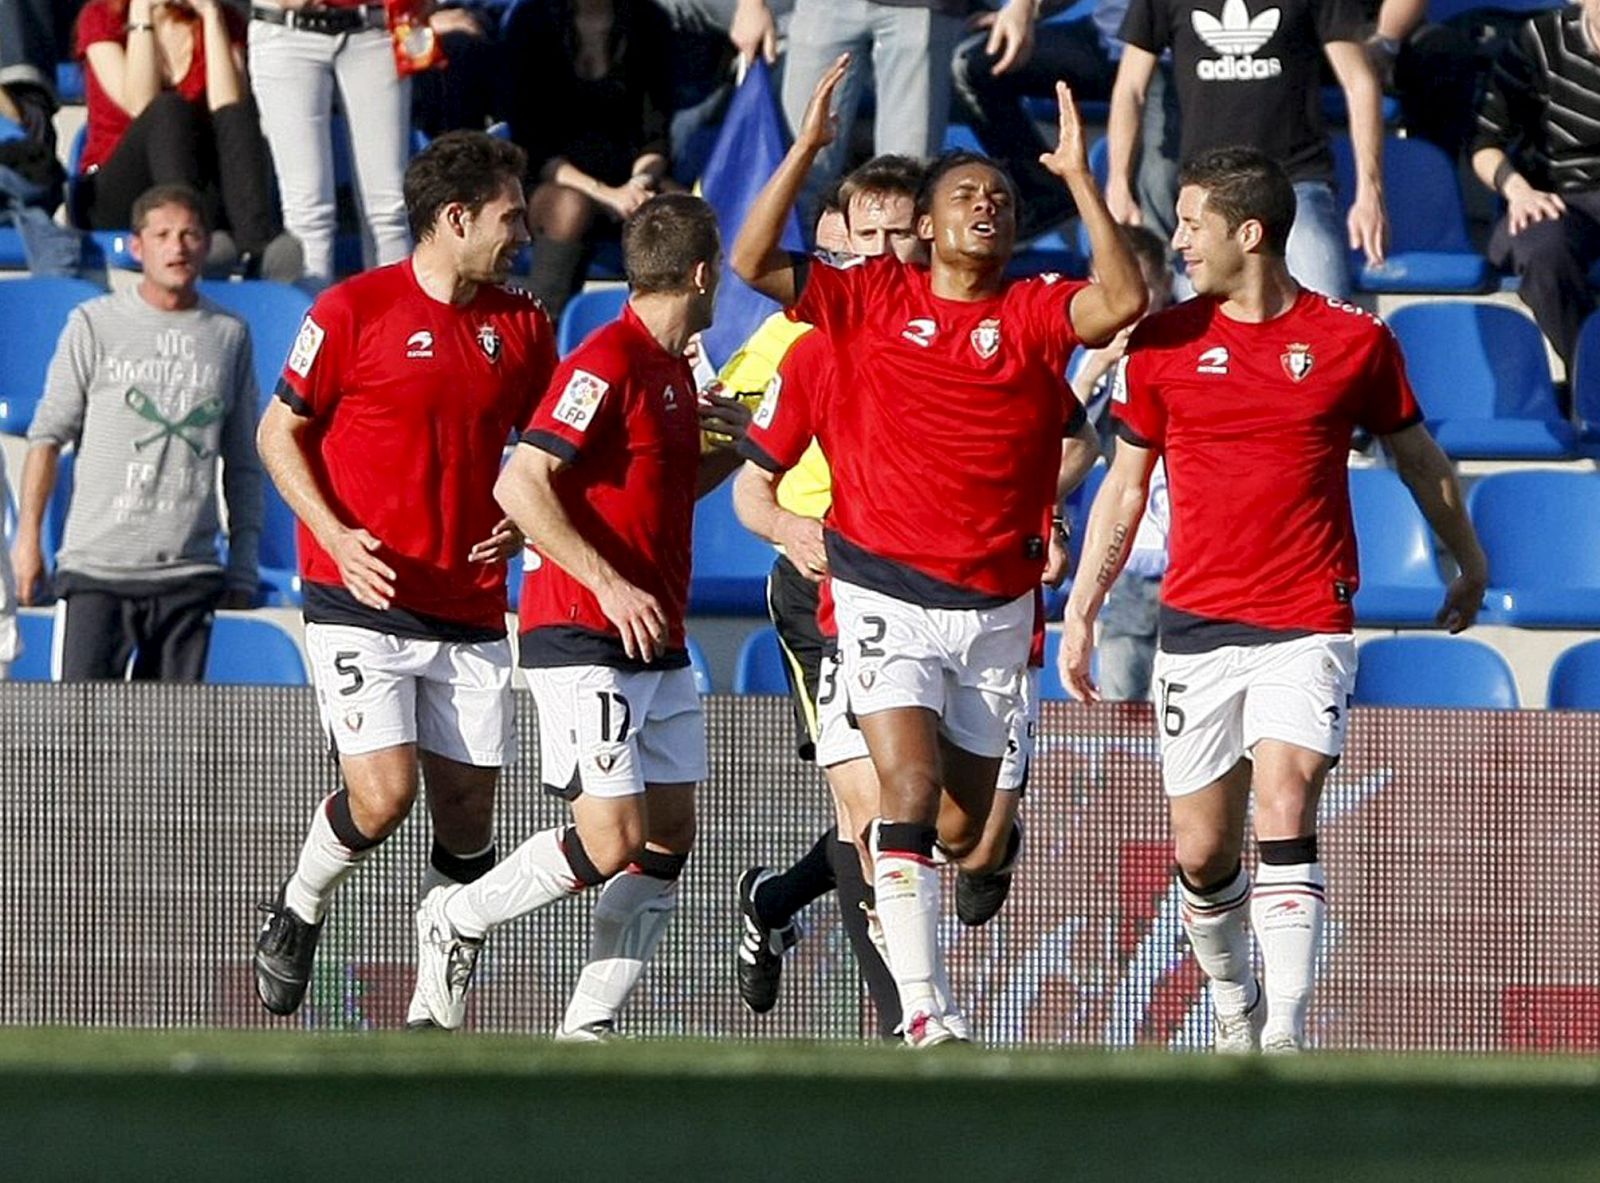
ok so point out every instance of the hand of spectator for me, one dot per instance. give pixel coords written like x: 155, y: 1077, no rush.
x: 801, y: 539
x: 455, y: 20
x: 506, y: 541
x: 369, y: 579
x: 1526, y: 205
x: 622, y: 200
x: 1381, y: 59
x: 237, y: 599
x: 1123, y: 205
x: 1369, y: 226
x: 1462, y: 601
x: 754, y: 31
x: 1058, y: 559
x: 724, y: 416
x: 1010, y: 36
x: 1072, y: 663
x: 1070, y: 157
x: 820, y: 125
x: 27, y: 563
x: 638, y: 618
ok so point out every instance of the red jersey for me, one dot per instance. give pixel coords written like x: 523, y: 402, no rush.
x: 942, y: 422
x: 1254, y: 421
x: 413, y: 401
x: 624, y: 413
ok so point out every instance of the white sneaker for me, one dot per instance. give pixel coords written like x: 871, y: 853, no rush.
x: 925, y: 1030
x: 600, y: 1031
x: 1240, y: 1034
x: 446, y: 962
x: 1283, y: 1043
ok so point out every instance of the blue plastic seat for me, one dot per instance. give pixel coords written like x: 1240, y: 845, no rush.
x: 274, y: 312
x: 1433, y: 671
x: 1483, y: 378
x: 730, y: 563
x: 37, y: 629
x: 251, y: 651
x: 586, y: 312
x: 1440, y: 11
x: 1575, y: 679
x: 34, y: 311
x: 762, y: 665
x: 698, y: 666
x: 1541, y: 531
x: 1586, y: 381
x: 279, y: 562
x: 1429, y: 248
x: 1400, y: 580
x: 101, y: 248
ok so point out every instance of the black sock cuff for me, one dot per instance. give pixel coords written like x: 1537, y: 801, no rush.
x: 1209, y: 889
x: 1288, y: 852
x: 583, y: 868
x: 344, y: 826
x: 461, y: 868
x: 907, y: 838
x: 658, y: 864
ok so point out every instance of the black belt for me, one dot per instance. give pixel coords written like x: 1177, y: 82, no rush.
x: 332, y: 21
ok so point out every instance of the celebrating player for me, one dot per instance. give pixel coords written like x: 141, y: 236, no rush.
x: 385, y: 440
x: 944, y: 459
x: 1250, y: 393
x: 604, y: 483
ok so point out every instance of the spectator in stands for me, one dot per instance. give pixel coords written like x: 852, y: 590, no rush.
x: 1434, y: 70
x: 169, y: 104
x: 591, y: 107
x: 33, y: 34
x: 991, y: 83
x: 1251, y: 76
x: 466, y: 94
x: 152, y: 386
x: 1538, y: 147
x: 1129, y: 617
x: 300, y: 53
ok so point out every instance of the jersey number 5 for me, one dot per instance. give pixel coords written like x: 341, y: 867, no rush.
x: 344, y: 663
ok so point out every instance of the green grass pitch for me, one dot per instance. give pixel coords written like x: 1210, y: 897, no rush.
x: 117, y: 1104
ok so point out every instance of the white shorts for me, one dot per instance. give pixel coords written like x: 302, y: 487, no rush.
x: 609, y: 732
x: 377, y: 691
x: 1213, y: 708
x: 1024, y: 739
x: 967, y: 665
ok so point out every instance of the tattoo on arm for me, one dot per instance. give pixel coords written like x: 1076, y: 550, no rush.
x: 1107, y: 574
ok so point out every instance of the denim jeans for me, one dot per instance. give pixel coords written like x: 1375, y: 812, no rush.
x: 1318, y: 254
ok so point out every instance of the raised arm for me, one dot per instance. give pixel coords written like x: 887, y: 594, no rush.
x: 756, y: 256
x: 1427, y: 472
x: 224, y: 67
x: 130, y: 72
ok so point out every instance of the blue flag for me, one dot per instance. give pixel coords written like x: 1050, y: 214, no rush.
x: 748, y: 149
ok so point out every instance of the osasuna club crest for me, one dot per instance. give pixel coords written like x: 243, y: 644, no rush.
x: 489, y: 342
x: 1297, y: 360
x: 986, y: 338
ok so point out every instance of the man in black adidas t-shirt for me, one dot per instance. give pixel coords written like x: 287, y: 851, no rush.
x: 1247, y: 73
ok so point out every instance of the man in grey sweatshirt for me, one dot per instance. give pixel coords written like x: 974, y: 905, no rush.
x: 152, y: 387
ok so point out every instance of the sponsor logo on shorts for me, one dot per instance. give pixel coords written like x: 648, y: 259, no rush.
x: 306, y: 347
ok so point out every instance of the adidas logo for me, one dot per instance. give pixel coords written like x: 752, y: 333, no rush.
x: 1236, y: 35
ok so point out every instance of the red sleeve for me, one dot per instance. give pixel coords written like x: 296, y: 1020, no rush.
x: 542, y: 362
x: 787, y: 419
x: 1136, y: 399
x: 588, y: 391
x: 1389, y: 404
x: 834, y: 298
x: 1047, y: 308
x: 310, y: 381
x: 97, y: 23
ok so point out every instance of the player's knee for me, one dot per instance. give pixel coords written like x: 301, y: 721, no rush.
x: 1205, y: 860
x: 909, y: 792
x: 610, y: 851
x: 377, y: 809
x: 961, y: 836
x: 674, y: 833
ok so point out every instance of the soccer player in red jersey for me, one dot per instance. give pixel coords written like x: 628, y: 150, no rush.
x: 945, y: 457
x: 385, y: 439
x: 1250, y: 392
x: 604, y: 484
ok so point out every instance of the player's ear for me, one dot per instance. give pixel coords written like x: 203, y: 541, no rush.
x: 925, y: 227
x: 1251, y: 234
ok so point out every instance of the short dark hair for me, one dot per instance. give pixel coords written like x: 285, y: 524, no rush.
x: 898, y: 176
x: 470, y: 167
x: 664, y: 238
x: 1147, y: 246
x: 157, y: 196
x: 950, y: 161
x: 1241, y: 184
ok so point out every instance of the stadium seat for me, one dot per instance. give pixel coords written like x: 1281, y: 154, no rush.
x: 514, y: 580
x: 1483, y: 378
x: 1575, y: 679
x: 586, y: 312
x: 1429, y: 249
x: 1400, y: 581
x: 279, y: 570
x: 273, y: 311
x: 35, y: 311
x: 101, y: 248
x: 251, y: 651
x: 761, y: 665
x: 1433, y: 671
x: 70, y: 89
x: 730, y: 563
x: 699, y: 666
x: 37, y: 629
x: 1541, y: 531
x: 1586, y: 382
x: 1440, y: 11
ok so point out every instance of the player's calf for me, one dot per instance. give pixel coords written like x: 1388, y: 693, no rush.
x: 1289, y: 911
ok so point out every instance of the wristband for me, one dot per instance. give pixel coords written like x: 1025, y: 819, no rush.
x: 1503, y: 172
x: 138, y: 27
x: 1389, y: 45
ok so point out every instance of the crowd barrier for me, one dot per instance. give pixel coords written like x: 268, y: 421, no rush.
x: 140, y: 825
